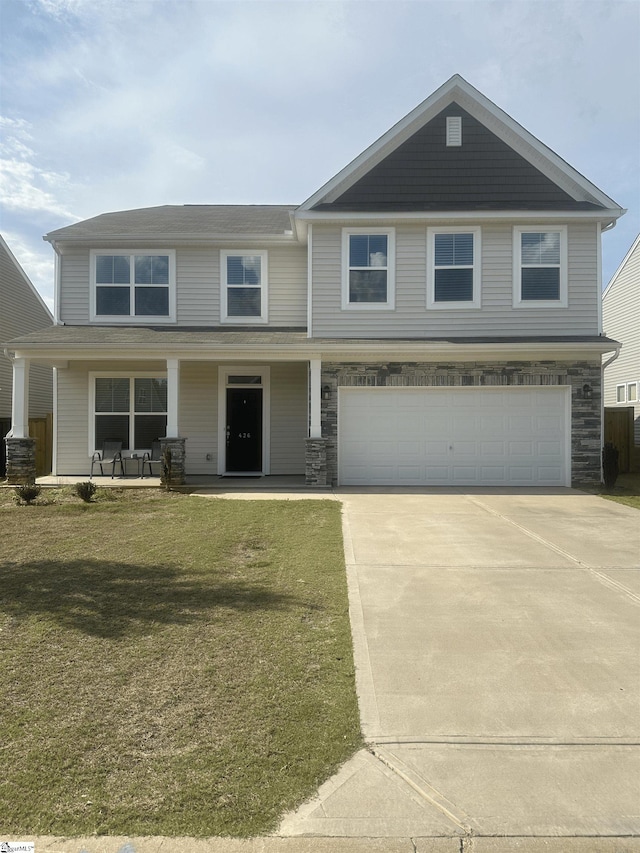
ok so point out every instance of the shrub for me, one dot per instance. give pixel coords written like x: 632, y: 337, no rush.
x: 86, y: 490
x: 27, y: 493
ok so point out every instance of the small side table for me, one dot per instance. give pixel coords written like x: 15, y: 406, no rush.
x: 134, y: 460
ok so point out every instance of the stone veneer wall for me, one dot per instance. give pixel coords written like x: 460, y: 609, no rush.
x: 21, y: 460
x: 177, y: 448
x: 585, y: 414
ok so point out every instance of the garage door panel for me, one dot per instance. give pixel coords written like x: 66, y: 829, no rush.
x: 462, y: 436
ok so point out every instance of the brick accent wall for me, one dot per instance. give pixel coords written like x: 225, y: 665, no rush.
x: 585, y: 414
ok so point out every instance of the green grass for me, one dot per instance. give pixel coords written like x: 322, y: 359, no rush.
x: 626, y: 491
x: 170, y: 665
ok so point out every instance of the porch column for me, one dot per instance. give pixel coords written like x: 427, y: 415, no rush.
x: 315, y: 450
x: 20, y: 404
x: 173, y: 447
x: 315, y: 397
x: 20, y: 448
x: 173, y: 396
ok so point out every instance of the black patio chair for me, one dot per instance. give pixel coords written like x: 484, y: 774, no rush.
x: 153, y: 458
x: 111, y: 454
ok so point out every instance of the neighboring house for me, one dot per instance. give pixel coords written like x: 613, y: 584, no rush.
x: 430, y: 316
x: 22, y: 310
x: 621, y: 319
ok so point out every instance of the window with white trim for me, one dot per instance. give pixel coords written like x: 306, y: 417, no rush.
x: 244, y: 278
x: 632, y: 392
x: 540, y: 267
x: 130, y: 409
x: 368, y: 268
x: 621, y: 393
x: 136, y: 285
x: 453, y: 268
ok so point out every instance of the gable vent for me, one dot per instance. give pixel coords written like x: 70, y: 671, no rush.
x: 454, y: 131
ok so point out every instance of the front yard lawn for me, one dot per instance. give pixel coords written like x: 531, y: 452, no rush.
x: 170, y: 665
x: 626, y: 490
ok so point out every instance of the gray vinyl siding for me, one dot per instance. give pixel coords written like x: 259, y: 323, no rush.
x: 198, y: 417
x: 497, y: 316
x: 289, y: 409
x: 198, y: 285
x: 198, y: 420
x: 21, y: 312
x: 621, y: 321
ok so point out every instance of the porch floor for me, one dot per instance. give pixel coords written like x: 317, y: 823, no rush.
x: 215, y: 483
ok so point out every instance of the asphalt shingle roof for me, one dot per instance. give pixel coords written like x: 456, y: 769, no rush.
x: 183, y: 220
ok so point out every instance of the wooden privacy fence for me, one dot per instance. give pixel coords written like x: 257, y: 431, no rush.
x: 618, y: 429
x: 42, y: 430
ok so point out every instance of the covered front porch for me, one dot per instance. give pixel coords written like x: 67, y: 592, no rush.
x: 222, y: 409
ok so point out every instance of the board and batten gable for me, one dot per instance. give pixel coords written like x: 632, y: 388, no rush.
x: 410, y: 317
x: 21, y: 311
x: 197, y: 283
x: 621, y: 321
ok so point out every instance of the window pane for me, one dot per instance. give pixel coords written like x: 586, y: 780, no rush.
x: 112, y: 395
x: 152, y: 269
x: 150, y: 395
x: 368, y: 250
x: 444, y: 250
x: 454, y: 285
x: 368, y: 286
x: 378, y: 250
x: 147, y: 429
x: 620, y: 394
x: 632, y: 392
x: 358, y: 250
x: 244, y: 380
x: 463, y: 249
x: 244, y: 269
x: 112, y: 269
x: 541, y: 283
x: 244, y: 302
x: 112, y: 428
x: 112, y: 300
x: 152, y: 301
x: 541, y: 247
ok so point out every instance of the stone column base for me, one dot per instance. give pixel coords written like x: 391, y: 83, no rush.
x: 21, y: 460
x: 316, y: 462
x: 173, y: 474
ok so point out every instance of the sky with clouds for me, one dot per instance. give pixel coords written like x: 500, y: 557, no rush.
x: 117, y: 104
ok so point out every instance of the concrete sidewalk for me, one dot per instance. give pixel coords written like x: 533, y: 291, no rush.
x: 498, y: 670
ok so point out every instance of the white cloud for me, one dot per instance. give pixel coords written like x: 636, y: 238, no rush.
x: 23, y: 185
x: 37, y: 264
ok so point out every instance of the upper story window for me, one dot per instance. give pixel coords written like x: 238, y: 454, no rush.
x: 368, y: 268
x: 453, y: 268
x: 133, y: 285
x: 540, y: 267
x: 244, y: 296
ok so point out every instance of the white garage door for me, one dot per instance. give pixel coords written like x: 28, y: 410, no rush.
x: 454, y: 436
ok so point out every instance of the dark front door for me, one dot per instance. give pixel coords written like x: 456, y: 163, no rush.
x: 244, y: 430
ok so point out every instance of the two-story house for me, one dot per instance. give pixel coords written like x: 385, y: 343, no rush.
x: 430, y: 316
x: 22, y: 310
x: 621, y: 317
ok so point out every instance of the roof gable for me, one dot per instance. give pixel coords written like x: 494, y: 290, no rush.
x: 499, y: 166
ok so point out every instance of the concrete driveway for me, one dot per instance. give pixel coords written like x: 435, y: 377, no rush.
x: 497, y: 647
